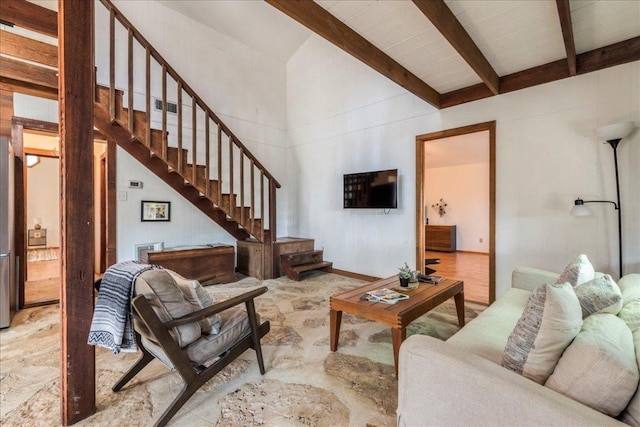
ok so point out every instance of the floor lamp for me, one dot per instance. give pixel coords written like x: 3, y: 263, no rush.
x: 612, y: 134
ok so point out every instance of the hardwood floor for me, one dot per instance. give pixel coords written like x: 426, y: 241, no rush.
x: 43, y: 282
x: 470, y: 267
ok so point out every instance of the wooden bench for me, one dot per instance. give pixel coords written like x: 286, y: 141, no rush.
x: 294, y: 264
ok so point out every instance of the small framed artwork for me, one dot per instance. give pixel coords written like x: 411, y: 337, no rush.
x: 155, y: 211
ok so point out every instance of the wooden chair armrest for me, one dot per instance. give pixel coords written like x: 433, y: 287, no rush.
x: 216, y: 308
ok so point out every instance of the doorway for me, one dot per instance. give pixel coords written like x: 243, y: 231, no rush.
x: 455, y: 206
x: 42, y: 219
x: 39, y: 247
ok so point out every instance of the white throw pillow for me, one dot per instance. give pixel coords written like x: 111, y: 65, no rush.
x: 578, y: 271
x: 199, y: 299
x: 599, y: 295
x: 599, y: 368
x: 550, y: 321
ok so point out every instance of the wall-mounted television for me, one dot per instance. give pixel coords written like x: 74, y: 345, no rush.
x: 371, y: 190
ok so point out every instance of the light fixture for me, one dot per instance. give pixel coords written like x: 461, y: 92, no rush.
x: 613, y: 134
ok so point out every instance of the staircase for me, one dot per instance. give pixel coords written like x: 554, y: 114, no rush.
x: 213, y: 169
x: 294, y: 264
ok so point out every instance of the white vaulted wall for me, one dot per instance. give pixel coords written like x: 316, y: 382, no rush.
x: 344, y: 117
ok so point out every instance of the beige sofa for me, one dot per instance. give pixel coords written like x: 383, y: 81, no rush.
x: 460, y: 382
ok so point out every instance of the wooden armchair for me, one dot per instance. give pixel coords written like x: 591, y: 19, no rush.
x: 170, y: 339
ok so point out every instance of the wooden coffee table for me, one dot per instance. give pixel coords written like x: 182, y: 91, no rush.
x: 399, y: 315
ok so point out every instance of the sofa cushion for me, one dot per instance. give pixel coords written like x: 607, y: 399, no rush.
x: 630, y: 313
x: 169, y: 303
x: 550, y: 321
x: 578, y: 271
x: 599, y: 295
x: 487, y: 334
x: 599, y: 367
x: 199, y: 299
x: 630, y: 288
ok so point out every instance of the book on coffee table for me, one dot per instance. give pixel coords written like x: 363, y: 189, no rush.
x: 386, y: 296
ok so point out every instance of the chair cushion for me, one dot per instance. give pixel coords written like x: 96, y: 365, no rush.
x: 168, y: 302
x: 234, y: 325
x: 599, y: 295
x: 550, y: 321
x: 578, y: 271
x: 599, y: 367
x: 199, y: 299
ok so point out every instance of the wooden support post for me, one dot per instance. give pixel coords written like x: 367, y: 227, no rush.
x: 76, y: 88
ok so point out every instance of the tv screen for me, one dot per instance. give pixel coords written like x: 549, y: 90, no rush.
x: 371, y: 190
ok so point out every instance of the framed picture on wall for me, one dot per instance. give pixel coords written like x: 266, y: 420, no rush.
x: 155, y: 211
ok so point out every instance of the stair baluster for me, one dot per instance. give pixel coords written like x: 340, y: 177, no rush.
x: 195, y: 179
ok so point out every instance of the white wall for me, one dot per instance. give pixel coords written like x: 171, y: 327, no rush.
x: 43, y: 197
x: 465, y: 189
x: 342, y: 116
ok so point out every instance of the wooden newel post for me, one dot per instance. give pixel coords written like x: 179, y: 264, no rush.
x: 76, y: 88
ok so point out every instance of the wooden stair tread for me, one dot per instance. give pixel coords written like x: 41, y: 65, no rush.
x: 303, y: 253
x: 308, y: 267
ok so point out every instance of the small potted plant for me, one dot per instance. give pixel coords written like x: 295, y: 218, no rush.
x: 405, y: 274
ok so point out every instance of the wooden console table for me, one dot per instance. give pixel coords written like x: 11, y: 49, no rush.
x: 207, y: 264
x: 440, y: 238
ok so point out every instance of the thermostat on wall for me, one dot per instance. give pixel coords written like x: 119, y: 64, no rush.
x: 135, y: 184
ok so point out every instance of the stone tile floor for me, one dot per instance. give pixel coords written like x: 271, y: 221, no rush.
x: 305, y: 384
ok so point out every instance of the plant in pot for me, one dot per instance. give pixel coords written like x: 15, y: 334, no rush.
x: 405, y: 274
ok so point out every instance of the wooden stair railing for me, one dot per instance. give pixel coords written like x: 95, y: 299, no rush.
x: 222, y: 182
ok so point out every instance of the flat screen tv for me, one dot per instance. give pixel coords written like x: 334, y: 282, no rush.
x: 371, y: 190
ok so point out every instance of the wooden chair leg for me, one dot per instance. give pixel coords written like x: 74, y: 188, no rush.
x: 255, y: 334
x: 133, y: 371
x: 187, y: 391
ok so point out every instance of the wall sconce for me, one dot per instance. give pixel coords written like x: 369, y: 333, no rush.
x: 613, y: 134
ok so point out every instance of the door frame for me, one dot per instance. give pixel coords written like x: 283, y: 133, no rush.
x: 18, y: 126
x: 420, y: 212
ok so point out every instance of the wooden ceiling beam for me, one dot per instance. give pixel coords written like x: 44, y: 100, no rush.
x: 28, y: 73
x: 609, y: 56
x: 564, y: 13
x: 30, y: 49
x: 28, y: 89
x: 323, y: 23
x: 24, y: 14
x: 446, y: 22
x: 594, y: 60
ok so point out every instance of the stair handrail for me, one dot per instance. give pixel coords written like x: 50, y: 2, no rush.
x: 173, y: 73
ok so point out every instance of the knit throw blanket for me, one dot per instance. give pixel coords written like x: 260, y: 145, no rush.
x: 112, y: 324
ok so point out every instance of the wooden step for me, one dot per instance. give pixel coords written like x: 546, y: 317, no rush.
x: 294, y: 264
x: 295, y: 272
x: 304, y: 257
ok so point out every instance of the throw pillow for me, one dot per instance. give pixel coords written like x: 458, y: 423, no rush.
x: 169, y: 303
x: 599, y: 368
x: 600, y: 295
x: 199, y: 299
x: 550, y: 321
x: 578, y: 271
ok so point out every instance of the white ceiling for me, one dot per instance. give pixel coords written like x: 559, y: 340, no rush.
x: 457, y: 150
x: 254, y: 23
x: 513, y: 35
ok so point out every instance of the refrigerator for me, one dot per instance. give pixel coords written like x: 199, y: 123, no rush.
x: 8, y: 276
